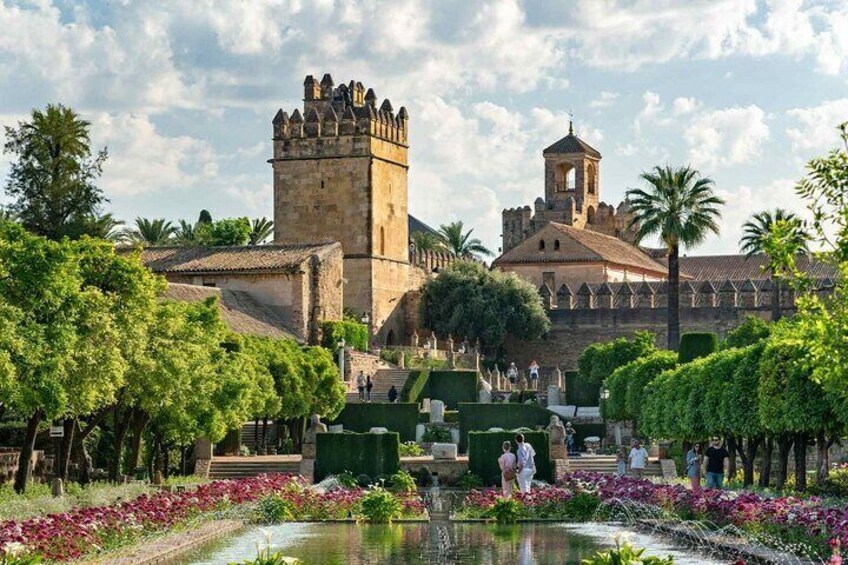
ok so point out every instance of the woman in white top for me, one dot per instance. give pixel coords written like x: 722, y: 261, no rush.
x: 526, y: 463
x: 507, y: 464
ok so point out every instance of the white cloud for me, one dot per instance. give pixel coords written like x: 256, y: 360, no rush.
x: 684, y: 106
x: 143, y: 161
x: 730, y: 136
x: 258, y: 201
x: 604, y: 100
x: 814, y: 127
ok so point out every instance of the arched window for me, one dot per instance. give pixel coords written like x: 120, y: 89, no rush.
x: 390, y: 338
x: 591, y: 181
x: 382, y: 240
x: 541, y: 245
x: 563, y: 177
x: 556, y: 245
x: 590, y: 215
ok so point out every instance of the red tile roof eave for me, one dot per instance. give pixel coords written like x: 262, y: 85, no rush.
x: 622, y: 266
x: 258, y: 271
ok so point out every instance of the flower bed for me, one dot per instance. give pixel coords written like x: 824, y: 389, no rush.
x: 807, y: 525
x: 69, y: 535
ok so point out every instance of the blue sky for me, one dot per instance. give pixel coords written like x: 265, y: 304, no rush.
x: 182, y: 93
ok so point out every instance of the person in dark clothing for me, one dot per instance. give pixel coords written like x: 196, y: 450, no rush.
x: 393, y: 394
x: 716, y: 456
x: 368, y: 386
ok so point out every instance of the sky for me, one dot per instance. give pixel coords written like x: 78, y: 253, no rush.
x: 182, y: 93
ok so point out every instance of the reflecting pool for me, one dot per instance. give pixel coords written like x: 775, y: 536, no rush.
x: 437, y: 542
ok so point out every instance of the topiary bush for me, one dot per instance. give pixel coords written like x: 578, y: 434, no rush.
x: 481, y: 417
x: 400, y: 417
x: 697, y: 344
x: 354, y: 334
x: 368, y: 454
x: 484, y: 448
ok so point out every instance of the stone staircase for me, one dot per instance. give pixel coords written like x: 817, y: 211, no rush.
x: 383, y: 380
x: 248, y: 434
x: 241, y: 467
x: 606, y: 464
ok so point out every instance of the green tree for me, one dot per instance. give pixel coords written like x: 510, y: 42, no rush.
x: 205, y: 217
x: 739, y: 412
x: 427, y: 241
x: 152, y: 233
x: 599, y: 360
x: 466, y: 299
x: 260, y: 230
x: 627, y: 384
x: 7, y: 215
x: 226, y: 232
x: 752, y: 330
x: 53, y: 172
x: 681, y: 207
x: 459, y: 242
x: 186, y: 234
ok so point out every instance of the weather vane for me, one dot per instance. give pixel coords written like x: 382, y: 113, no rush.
x: 570, y: 122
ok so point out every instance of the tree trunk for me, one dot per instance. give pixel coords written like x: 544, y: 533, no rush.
x: 801, y: 462
x: 122, y: 424
x: 776, y: 312
x: 748, y: 454
x: 139, y: 422
x: 673, y: 297
x: 26, y: 450
x: 732, y: 449
x: 81, y: 451
x: 265, y: 433
x: 765, y: 471
x: 154, y: 458
x: 784, y: 445
x: 166, y: 460
x: 823, y: 444
x: 183, y: 460
x: 256, y: 435
x: 67, y: 445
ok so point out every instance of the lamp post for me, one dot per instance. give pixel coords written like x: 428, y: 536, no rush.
x: 605, y: 394
x: 341, y: 359
x: 366, y: 319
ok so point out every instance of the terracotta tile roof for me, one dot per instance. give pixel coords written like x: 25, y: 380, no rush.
x: 739, y: 267
x: 571, y: 144
x: 249, y: 258
x: 239, y: 310
x: 579, y: 246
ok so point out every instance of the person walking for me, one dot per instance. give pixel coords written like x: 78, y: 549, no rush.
x: 526, y: 464
x: 694, y: 459
x: 368, y: 386
x: 360, y: 385
x: 534, y: 374
x: 716, y: 457
x: 393, y: 394
x: 621, y: 462
x: 512, y: 375
x: 638, y: 459
x: 507, y: 464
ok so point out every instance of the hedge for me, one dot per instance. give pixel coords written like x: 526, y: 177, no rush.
x: 399, y: 417
x: 451, y: 387
x: 475, y: 417
x: 579, y: 393
x: 694, y: 345
x: 354, y: 334
x: 360, y: 454
x: 485, y: 448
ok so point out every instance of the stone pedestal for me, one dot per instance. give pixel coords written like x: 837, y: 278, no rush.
x: 553, y: 395
x: 560, y: 470
x: 419, y: 432
x: 484, y: 396
x: 308, y: 451
x: 336, y: 429
x: 437, y: 412
x: 444, y: 451
x: 558, y: 452
x: 203, y: 448
x: 378, y: 430
x: 454, y: 435
x: 57, y: 488
x: 307, y: 469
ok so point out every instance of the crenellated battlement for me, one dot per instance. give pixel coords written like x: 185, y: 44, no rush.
x: 346, y: 110
x: 709, y: 294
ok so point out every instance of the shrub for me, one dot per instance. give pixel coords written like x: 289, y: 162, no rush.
x: 379, y: 506
x: 369, y: 454
x: 599, y: 360
x: 581, y: 507
x: 626, y: 554
x: 835, y: 485
x: 451, y: 387
x: 410, y: 449
x: 475, y: 417
x: 507, y: 511
x: 749, y: 332
x: 469, y: 480
x: 413, y: 388
x: 403, y: 482
x: 347, y: 480
x: 274, y: 510
x: 354, y: 334
x: 694, y: 345
x: 436, y: 434
x: 400, y: 417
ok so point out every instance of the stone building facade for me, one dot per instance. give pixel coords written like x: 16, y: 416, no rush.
x: 572, y: 196
x: 292, y: 286
x: 340, y: 174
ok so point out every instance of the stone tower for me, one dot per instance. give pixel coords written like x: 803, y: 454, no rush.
x: 572, y: 196
x: 340, y: 174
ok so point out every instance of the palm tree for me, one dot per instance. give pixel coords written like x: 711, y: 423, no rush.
x: 427, y: 241
x: 185, y: 234
x: 680, y: 206
x: 755, y: 239
x: 260, y: 231
x: 105, y: 226
x: 152, y: 233
x: 461, y: 243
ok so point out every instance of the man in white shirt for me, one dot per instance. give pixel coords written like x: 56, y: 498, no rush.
x: 526, y: 465
x: 638, y: 459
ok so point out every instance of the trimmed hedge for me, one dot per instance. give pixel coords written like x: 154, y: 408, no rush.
x: 485, y: 448
x: 400, y: 417
x: 451, y: 387
x: 359, y: 454
x: 694, y: 345
x: 354, y: 334
x: 475, y: 417
x: 579, y: 393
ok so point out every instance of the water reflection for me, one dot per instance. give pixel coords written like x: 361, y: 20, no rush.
x: 438, y: 542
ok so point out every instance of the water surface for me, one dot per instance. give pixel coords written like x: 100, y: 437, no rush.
x: 436, y: 542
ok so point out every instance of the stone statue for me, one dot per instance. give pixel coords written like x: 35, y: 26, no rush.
x: 450, y: 343
x: 556, y: 439
x: 415, y: 339
x: 434, y: 344
x: 522, y: 383
x: 316, y: 426
x: 477, y: 346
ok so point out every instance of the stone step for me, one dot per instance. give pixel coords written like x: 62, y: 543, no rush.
x: 382, y: 380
